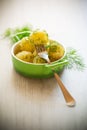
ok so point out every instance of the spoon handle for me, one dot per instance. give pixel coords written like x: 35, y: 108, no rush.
x: 68, y: 98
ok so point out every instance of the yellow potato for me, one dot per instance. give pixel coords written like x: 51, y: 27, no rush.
x: 38, y: 59
x: 39, y: 37
x: 26, y: 45
x: 55, y: 51
x: 25, y: 56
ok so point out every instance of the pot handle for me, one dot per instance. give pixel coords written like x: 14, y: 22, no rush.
x: 56, y: 64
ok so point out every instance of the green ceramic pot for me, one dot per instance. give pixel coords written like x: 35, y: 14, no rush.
x: 35, y: 70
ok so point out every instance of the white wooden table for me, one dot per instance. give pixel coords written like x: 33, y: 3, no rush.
x: 38, y: 104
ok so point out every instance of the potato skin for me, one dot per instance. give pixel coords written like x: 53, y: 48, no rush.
x: 25, y: 56
x: 55, y: 51
x: 39, y: 38
x: 26, y: 45
x: 38, y: 59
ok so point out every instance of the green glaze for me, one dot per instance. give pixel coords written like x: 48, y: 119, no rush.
x: 35, y: 70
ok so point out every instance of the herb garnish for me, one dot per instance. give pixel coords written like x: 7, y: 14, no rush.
x: 74, y: 60
x: 18, y: 33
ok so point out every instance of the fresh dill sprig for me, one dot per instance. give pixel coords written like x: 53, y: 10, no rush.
x: 74, y: 60
x: 16, y: 34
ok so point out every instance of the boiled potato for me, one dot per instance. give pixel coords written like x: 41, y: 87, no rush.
x: 25, y: 56
x: 39, y: 37
x: 55, y: 51
x: 38, y: 59
x: 26, y: 45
